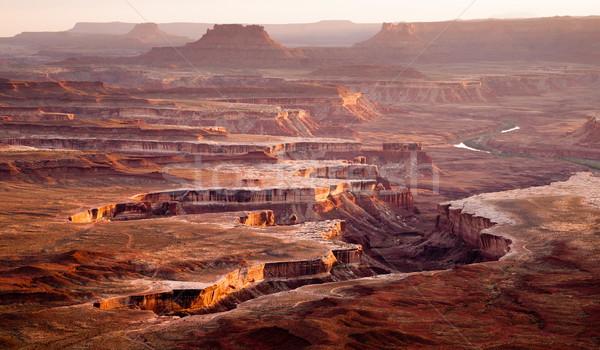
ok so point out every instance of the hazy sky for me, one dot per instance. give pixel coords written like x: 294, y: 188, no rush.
x: 42, y: 15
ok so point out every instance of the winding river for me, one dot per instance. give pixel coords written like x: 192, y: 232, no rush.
x: 462, y: 145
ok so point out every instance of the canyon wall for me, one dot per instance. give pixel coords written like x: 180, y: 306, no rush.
x: 170, y: 147
x: 283, y: 200
x: 471, y: 228
x: 195, y: 299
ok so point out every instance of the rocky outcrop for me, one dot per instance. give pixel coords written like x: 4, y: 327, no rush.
x: 471, y: 228
x: 256, y: 195
x: 127, y: 211
x: 258, y: 218
x: 331, y: 104
x: 191, y: 300
x: 198, y: 201
x: 194, y: 300
x: 589, y: 133
x: 283, y: 108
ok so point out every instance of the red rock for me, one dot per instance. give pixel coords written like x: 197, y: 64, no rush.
x: 589, y: 133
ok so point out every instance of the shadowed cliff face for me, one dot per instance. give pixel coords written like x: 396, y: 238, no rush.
x: 258, y: 218
x: 470, y: 228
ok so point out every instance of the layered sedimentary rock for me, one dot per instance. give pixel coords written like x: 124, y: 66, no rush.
x: 194, y: 300
x: 63, y: 125
x: 43, y: 165
x: 257, y: 195
x: 258, y: 218
x: 395, y: 160
x: 481, y: 223
x: 472, y: 229
x: 198, y: 201
x: 399, y: 199
x: 327, y: 103
x: 284, y: 108
x: 221, y: 147
x: 127, y: 211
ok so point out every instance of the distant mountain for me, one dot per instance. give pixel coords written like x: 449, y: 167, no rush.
x: 53, y: 46
x: 151, y: 34
x: 565, y: 39
x: 323, y: 33
x: 227, y: 44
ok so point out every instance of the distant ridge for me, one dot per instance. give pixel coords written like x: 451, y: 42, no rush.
x: 150, y: 33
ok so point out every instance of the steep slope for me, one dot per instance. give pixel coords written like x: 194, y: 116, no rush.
x: 589, y: 133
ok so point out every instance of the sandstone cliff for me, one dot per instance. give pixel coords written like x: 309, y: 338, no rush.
x: 471, y: 228
x: 258, y: 218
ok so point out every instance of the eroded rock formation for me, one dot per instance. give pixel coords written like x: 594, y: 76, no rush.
x: 229, y: 44
x: 258, y: 218
x: 589, y: 133
x: 471, y: 228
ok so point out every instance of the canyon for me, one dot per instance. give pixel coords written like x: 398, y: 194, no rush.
x: 286, y: 186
